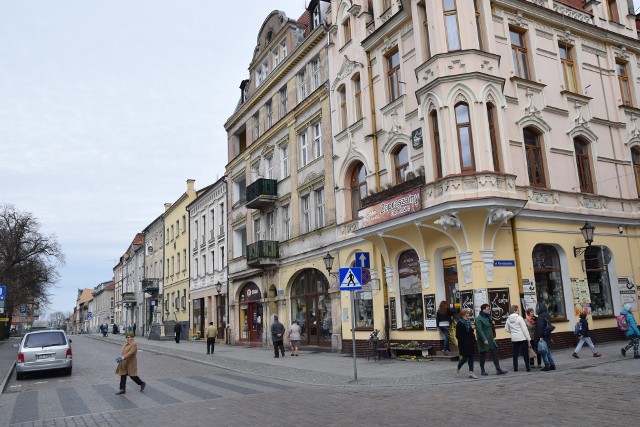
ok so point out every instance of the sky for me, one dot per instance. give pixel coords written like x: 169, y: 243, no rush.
x: 108, y: 107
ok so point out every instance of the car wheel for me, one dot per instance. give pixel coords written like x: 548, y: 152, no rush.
x: 19, y: 376
x: 68, y: 371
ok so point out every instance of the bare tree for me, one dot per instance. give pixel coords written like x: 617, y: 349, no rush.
x: 58, y: 320
x: 28, y: 260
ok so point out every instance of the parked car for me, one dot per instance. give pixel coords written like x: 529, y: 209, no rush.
x: 42, y: 351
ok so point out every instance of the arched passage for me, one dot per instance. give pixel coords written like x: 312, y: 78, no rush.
x: 311, y: 307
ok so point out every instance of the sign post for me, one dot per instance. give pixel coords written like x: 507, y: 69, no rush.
x: 351, y: 280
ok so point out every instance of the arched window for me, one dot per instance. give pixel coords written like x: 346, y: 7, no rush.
x: 401, y: 163
x: 596, y: 263
x: 635, y: 156
x: 493, y: 135
x: 342, y: 98
x: 358, y: 187
x: 435, y: 133
x: 584, y: 165
x: 410, y: 284
x: 533, y: 153
x: 311, y: 307
x: 548, y: 278
x: 465, y: 139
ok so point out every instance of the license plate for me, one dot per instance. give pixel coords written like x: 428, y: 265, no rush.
x: 43, y: 356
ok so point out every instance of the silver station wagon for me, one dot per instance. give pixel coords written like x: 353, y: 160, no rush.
x: 43, y: 351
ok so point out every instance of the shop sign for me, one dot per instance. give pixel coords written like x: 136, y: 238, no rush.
x: 504, y: 263
x: 500, y: 303
x: 392, y: 313
x: 250, y: 293
x: 627, y: 290
x: 389, y: 209
x: 430, y: 311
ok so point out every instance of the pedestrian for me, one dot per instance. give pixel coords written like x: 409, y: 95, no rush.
x: 530, y: 321
x: 443, y: 320
x: 101, y: 331
x: 543, y: 336
x: 583, y: 334
x: 134, y: 329
x: 294, y: 337
x: 128, y: 365
x: 520, y: 338
x: 486, y: 339
x: 277, y: 336
x: 105, y: 330
x: 633, y: 332
x: 177, y: 331
x: 210, y: 334
x: 466, y: 341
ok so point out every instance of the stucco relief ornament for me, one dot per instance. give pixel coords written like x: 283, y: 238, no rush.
x: 352, y: 151
x: 635, y: 133
x: 579, y: 121
x: 530, y: 109
x: 448, y: 221
x: 622, y: 54
x: 396, y: 128
x: 499, y: 215
x: 346, y: 69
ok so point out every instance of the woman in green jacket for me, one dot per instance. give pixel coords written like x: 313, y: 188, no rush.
x: 486, y: 342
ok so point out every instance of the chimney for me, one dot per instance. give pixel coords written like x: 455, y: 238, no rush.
x: 191, y: 183
x: 167, y: 206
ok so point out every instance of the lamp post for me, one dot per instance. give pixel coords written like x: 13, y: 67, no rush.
x: 587, y: 231
x: 226, y: 303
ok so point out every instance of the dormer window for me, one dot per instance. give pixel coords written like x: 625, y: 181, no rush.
x: 262, y: 72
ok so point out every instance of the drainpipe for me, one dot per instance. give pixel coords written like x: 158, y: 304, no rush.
x: 374, y: 130
x: 516, y: 250
x: 226, y: 258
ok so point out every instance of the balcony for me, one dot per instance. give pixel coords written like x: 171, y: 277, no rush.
x: 128, y: 297
x: 263, y: 192
x: 262, y: 253
x: 150, y: 285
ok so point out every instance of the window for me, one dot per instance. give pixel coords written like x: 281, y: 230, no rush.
x: 195, y: 233
x: 261, y: 73
x: 342, y: 97
x: 612, y: 9
x: 239, y: 190
x: 479, y: 29
x: 257, y: 232
x: 222, y: 264
x: 172, y: 233
x: 346, y: 30
x: 195, y: 267
x: 222, y: 218
x: 173, y: 265
x: 548, y: 277
x: 410, y: 284
x: 317, y: 139
x: 315, y: 74
x: 401, y: 163
x: 386, y: 4
x: 533, y: 154
x: 358, y: 187
x: 596, y: 260
x: 306, y: 214
x: 635, y: 157
x: 167, y: 235
x: 568, y: 68
x: 184, y: 299
x: 269, y: 167
x: 284, y: 160
x: 357, y: 96
x: 519, y: 53
x: 364, y: 309
x: 256, y: 126
x: 204, y: 265
x: 213, y: 260
x: 582, y: 162
x: 286, y: 219
x: 320, y: 206
x: 302, y: 85
x: 213, y: 223
x: 451, y: 24
x: 204, y: 229
x: 422, y: 16
x: 393, y: 75
x: 465, y: 138
x: 240, y: 242
x: 271, y: 226
x: 268, y: 109
x: 437, y: 155
x: 168, y: 273
x: 184, y: 223
x: 279, y: 53
x: 304, y: 149
x: 283, y: 49
x: 178, y: 261
x: 283, y: 102
x: 493, y: 136
x: 177, y: 229
x: 184, y: 257
x: 623, y: 79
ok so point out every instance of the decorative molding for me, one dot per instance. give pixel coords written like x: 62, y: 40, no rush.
x: 544, y: 34
x: 590, y: 46
x: 388, y: 273
x: 346, y: 69
x: 389, y: 44
x: 572, y: 13
x: 518, y: 21
x: 499, y: 215
x: 466, y: 259
x: 487, y: 260
x: 424, y: 272
x: 448, y: 221
x: 590, y: 202
x: 543, y: 197
x: 622, y: 54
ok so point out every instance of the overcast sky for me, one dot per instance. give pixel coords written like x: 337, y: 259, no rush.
x: 108, y: 107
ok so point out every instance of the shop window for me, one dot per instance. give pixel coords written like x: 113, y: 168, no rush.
x: 533, y: 153
x: 596, y: 261
x: 410, y: 284
x: 635, y: 156
x: 358, y: 187
x: 493, y: 135
x: 450, y: 270
x: 548, y: 278
x: 583, y: 164
x: 465, y: 138
x: 311, y: 307
x: 437, y: 154
x: 519, y: 54
x: 401, y: 163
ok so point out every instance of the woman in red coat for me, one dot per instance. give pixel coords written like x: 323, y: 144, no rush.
x: 128, y: 365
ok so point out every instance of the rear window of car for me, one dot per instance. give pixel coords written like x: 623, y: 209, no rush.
x: 47, y: 339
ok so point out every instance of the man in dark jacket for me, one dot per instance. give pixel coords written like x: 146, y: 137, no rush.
x: 486, y: 341
x: 277, y: 336
x: 177, y: 330
x: 543, y: 333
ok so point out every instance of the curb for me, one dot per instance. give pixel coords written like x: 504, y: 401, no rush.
x: 5, y: 380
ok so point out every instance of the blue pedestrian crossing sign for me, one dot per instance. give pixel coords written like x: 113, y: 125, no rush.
x: 351, y: 279
x: 3, y: 292
x: 363, y: 260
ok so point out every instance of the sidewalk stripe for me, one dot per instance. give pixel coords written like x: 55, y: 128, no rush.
x: 107, y: 393
x: 26, y: 407
x: 71, y: 402
x: 256, y: 381
x: 192, y: 390
x: 226, y: 385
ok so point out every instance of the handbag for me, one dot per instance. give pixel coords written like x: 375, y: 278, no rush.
x: 532, y: 352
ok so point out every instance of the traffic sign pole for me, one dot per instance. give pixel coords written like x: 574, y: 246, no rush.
x: 353, y: 334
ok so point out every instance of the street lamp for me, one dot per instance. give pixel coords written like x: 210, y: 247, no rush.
x: 587, y: 231
x: 328, y: 264
x: 218, y: 287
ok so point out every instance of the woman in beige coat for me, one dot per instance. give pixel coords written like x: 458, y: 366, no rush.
x: 128, y: 366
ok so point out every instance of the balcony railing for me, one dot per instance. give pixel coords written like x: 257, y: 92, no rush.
x: 150, y: 285
x: 263, y: 192
x: 262, y: 252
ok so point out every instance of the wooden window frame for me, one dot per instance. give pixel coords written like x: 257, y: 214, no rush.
x: 393, y: 75
x: 493, y: 136
x: 437, y: 152
x: 521, y: 70
x: 623, y: 80
x: 612, y: 11
x: 346, y: 30
x: 465, y: 125
x: 583, y: 164
x: 531, y: 152
x: 342, y: 97
x: 571, y: 84
x: 447, y: 13
x: 635, y: 160
x: 357, y: 186
x: 400, y: 168
x: 357, y: 95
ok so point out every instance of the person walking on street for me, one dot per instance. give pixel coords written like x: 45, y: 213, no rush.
x: 530, y: 321
x: 633, y: 332
x: 443, y: 320
x: 210, y: 334
x: 128, y: 365
x: 517, y: 327
x: 583, y: 335
x: 177, y: 331
x: 543, y: 336
x: 277, y: 336
x: 294, y: 337
x: 466, y: 341
x: 486, y: 340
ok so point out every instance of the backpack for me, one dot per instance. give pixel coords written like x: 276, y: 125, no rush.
x: 623, y: 323
x: 577, y: 330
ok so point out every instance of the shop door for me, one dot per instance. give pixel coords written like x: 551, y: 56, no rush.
x: 450, y: 266
x: 255, y: 322
x: 311, y: 307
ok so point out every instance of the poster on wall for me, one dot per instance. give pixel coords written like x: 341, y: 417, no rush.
x: 500, y: 303
x: 392, y: 313
x: 627, y: 291
x: 466, y: 301
x: 430, y: 311
x: 479, y: 298
x: 581, y: 296
x: 530, y: 299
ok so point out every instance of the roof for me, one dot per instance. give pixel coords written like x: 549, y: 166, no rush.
x: 85, y: 296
